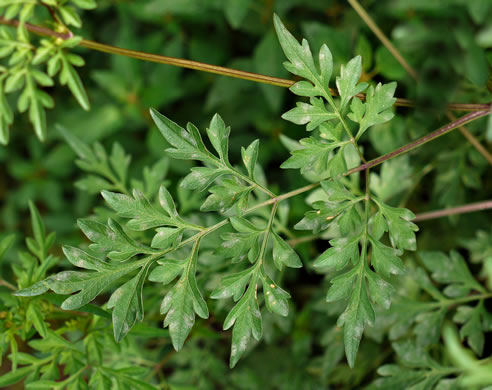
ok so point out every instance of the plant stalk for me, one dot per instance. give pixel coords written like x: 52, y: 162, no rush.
x: 220, y: 70
x: 469, y: 208
x: 421, y: 141
x: 382, y: 37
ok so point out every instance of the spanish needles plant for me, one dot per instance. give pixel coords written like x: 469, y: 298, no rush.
x: 226, y: 246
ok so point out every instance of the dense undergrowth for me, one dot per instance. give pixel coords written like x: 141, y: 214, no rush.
x: 163, y: 227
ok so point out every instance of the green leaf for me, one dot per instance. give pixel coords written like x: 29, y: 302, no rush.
x: 201, y: 178
x: 167, y: 271
x: 385, y: 259
x: 90, y: 284
x: 34, y: 315
x: 81, y: 149
x: 380, y: 290
x: 15, y: 376
x: 236, y: 11
x: 336, y: 191
x: 167, y: 203
x: 313, y: 157
x: 342, y: 251
x: 240, y: 245
x: 233, y: 285
x: 182, y: 302
x: 224, y: 196
x: 376, y: 109
x: 268, y: 60
x: 250, y: 156
x: 245, y: 316
x: 167, y: 237
x: 218, y: 134
x: 357, y: 315
x: 450, y: 270
x: 398, y: 224
x: 416, y: 370
x: 283, y: 254
x: 6, y: 244
x: 325, y: 65
x: 111, y: 238
x: 339, y: 209
x: 300, y: 57
x: 70, y: 77
x: 276, y: 299
x: 392, y: 171
x: 347, y: 81
x: 428, y: 328
x: 120, y: 161
x: 187, y: 144
x: 142, y: 214
x: 127, y: 303
x: 312, y: 114
x: 474, y: 325
x: 38, y: 228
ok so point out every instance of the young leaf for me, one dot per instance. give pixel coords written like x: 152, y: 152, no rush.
x: 127, y: 303
x: 218, y: 134
x: 450, y: 270
x: 300, y: 57
x: 246, y: 319
x: 342, y: 251
x: 357, y: 315
x: 276, y: 299
x: 398, y: 224
x: 187, y: 144
x: 347, y: 81
x: 376, y: 109
x: 89, y: 284
x: 313, y: 157
x: 312, y: 114
x: 182, y: 302
x: 249, y: 156
x: 233, y: 285
x: 138, y: 209
x: 283, y: 254
x: 416, y: 369
x: 111, y: 238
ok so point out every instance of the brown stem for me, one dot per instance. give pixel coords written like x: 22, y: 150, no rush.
x: 423, y: 140
x: 469, y: 208
x: 7, y: 284
x: 208, y: 67
x: 382, y: 37
x: 472, y: 139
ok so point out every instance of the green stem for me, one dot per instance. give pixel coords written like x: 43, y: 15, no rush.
x: 267, y: 233
x: 470, y: 298
x: 250, y: 181
x: 329, y: 99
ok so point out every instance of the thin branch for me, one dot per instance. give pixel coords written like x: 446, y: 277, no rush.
x: 472, y: 139
x: 208, y: 67
x: 382, y: 37
x: 301, y: 240
x: 8, y: 285
x: 421, y: 141
x: 469, y: 208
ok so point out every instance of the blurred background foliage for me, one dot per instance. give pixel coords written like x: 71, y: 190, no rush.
x: 449, y: 44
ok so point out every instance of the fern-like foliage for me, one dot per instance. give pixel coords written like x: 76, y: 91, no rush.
x: 28, y: 65
x: 160, y: 245
x: 371, y: 234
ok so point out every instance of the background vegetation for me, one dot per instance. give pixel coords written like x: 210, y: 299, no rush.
x: 447, y: 45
